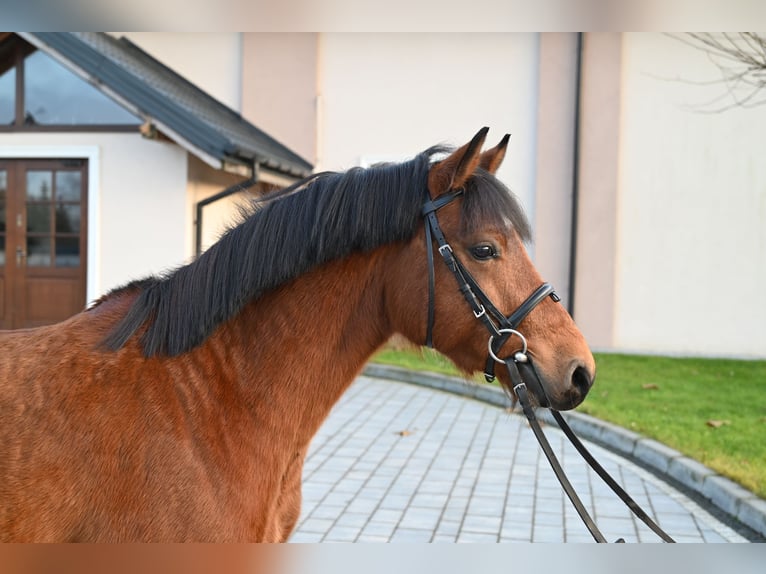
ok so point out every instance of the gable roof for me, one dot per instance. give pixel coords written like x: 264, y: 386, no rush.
x: 184, y: 112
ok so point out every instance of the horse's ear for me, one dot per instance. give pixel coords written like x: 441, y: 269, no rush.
x: 492, y: 158
x: 454, y: 171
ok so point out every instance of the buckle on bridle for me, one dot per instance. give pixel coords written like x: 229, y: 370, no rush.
x: 446, y: 247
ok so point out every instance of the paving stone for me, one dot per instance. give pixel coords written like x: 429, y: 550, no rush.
x: 481, y: 537
x: 490, y: 506
x: 307, y: 537
x: 363, y: 505
x: 724, y: 493
x: 371, y: 538
x: 354, y: 519
x: 752, y: 511
x: 411, y: 535
x: 395, y: 501
x: 385, y: 515
x: 327, y: 511
x: 420, y: 518
x: 549, y: 519
x: 480, y: 523
x: 542, y: 533
x: 320, y: 525
x: 614, y: 528
x: 342, y: 534
x: 712, y: 536
x: 517, y: 531
x: 654, y: 454
x: 448, y: 527
x: 373, y: 528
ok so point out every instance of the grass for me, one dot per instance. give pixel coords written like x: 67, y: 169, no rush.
x: 713, y: 410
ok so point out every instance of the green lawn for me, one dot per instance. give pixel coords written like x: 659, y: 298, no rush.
x: 713, y: 410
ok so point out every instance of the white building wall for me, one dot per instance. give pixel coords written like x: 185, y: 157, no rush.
x: 137, y: 203
x: 390, y: 96
x: 143, y: 201
x: 691, y: 263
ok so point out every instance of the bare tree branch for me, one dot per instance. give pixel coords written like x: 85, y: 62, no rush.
x: 741, y: 60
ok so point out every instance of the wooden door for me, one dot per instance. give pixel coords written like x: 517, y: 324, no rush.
x: 43, y: 239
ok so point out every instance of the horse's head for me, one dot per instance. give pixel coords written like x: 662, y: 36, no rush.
x: 486, y: 230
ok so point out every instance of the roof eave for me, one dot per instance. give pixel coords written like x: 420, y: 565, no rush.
x: 291, y: 170
x: 223, y: 154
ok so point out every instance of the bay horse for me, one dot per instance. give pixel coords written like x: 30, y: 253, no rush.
x: 181, y: 407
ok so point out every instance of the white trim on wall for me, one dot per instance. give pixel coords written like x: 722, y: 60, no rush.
x: 92, y: 154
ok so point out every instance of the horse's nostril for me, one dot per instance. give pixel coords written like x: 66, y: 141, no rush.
x: 581, y: 380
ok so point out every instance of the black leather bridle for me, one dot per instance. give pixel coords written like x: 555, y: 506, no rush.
x: 501, y: 328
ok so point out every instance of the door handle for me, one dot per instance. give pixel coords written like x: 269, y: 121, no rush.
x: 20, y: 254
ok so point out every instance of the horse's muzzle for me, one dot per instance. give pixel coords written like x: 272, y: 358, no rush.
x: 579, y: 382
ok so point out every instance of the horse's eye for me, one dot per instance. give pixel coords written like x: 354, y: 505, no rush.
x: 483, y: 252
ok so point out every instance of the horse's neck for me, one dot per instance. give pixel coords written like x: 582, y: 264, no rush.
x: 303, y: 344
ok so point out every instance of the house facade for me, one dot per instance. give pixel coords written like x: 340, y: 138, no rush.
x: 106, y: 158
x: 648, y: 210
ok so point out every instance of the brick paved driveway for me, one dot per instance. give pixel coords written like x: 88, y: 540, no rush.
x: 396, y: 462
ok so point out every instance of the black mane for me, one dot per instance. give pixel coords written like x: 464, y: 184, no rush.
x: 291, y: 231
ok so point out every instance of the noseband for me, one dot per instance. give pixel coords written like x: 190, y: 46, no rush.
x: 501, y: 328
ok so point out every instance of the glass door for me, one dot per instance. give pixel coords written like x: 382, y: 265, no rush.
x: 42, y: 241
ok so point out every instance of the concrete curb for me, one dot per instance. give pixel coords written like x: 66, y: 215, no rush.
x: 725, y: 495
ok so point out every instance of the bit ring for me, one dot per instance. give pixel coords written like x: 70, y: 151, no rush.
x: 511, y: 332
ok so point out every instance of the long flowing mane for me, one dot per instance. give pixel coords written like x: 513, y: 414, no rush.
x: 325, y: 217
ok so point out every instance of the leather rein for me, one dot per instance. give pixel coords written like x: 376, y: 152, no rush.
x: 501, y: 328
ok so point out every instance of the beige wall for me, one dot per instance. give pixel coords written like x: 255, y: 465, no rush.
x: 692, y: 208
x: 279, y: 87
x: 394, y: 95
x: 672, y: 218
x: 598, y: 189
x: 204, y: 182
x: 556, y: 116
x: 137, y: 200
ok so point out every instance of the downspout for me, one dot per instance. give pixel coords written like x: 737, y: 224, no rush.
x: 575, y: 179
x: 236, y: 188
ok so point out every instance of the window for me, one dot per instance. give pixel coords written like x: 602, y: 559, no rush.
x: 55, y: 96
x: 53, y: 218
x: 36, y: 92
x: 7, y: 96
